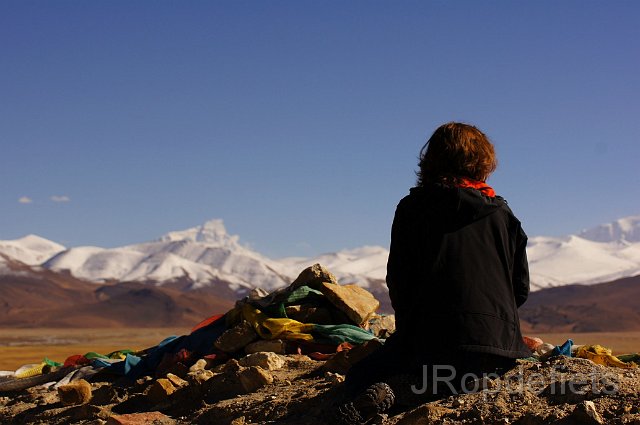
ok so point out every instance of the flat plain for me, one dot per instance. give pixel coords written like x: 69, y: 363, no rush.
x: 31, y: 345
x: 619, y: 342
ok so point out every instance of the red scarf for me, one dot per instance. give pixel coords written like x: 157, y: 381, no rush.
x: 484, y: 188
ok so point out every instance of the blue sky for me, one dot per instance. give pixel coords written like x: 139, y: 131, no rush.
x: 299, y: 122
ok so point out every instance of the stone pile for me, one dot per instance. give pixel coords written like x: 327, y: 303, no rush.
x: 250, y: 362
x: 338, y: 304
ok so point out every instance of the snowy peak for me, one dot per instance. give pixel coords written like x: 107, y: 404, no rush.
x: 31, y: 249
x: 623, y: 230
x: 204, y: 255
x: 600, y: 254
x: 211, y: 232
x: 207, y: 255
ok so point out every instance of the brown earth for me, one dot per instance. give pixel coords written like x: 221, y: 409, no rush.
x: 604, y: 307
x: 561, y: 390
x: 34, y: 297
x: 42, y: 298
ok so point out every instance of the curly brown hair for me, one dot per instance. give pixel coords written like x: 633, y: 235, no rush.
x: 456, y: 151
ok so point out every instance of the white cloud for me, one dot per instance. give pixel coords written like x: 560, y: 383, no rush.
x: 60, y: 198
x: 25, y: 200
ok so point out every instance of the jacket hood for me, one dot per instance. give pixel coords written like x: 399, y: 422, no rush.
x: 462, y: 206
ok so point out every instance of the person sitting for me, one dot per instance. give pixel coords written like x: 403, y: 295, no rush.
x: 457, y: 272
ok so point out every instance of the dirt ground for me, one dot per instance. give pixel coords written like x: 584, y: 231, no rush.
x: 561, y: 390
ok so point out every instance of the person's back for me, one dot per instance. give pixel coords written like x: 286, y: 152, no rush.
x: 453, y: 275
x: 457, y: 271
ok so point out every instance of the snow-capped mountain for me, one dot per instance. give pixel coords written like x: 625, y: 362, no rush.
x: 207, y: 255
x: 31, y: 249
x: 202, y: 254
x: 624, y: 230
x: 600, y: 254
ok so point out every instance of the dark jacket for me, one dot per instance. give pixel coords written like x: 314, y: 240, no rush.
x: 457, y: 272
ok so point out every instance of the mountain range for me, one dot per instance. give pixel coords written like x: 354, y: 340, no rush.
x: 207, y: 253
x: 185, y: 274
x: 600, y: 254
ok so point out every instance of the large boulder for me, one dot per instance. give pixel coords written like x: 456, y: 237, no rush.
x: 313, y: 277
x: 356, y: 302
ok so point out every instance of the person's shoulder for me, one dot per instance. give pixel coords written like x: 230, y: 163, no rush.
x: 419, y: 195
x: 515, y: 221
x: 406, y: 203
x: 503, y: 204
x: 430, y: 190
x: 414, y: 193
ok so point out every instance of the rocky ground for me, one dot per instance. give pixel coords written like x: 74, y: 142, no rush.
x: 269, y: 388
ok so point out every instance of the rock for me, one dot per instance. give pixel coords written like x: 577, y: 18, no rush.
x: 201, y: 364
x: 199, y: 377
x: 73, y: 393
x: 106, y: 394
x: 586, y: 413
x: 532, y: 342
x: 230, y: 366
x: 382, y: 326
x: 307, y: 313
x: 176, y: 380
x: 269, y: 345
x: 236, y: 338
x: 253, y: 378
x: 160, y: 390
x: 544, y: 350
x: 266, y: 360
x: 145, y: 418
x: 222, y: 386
x: 426, y: 414
x: 334, y: 378
x: 313, y: 277
x: 356, y: 302
x: 143, y: 380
